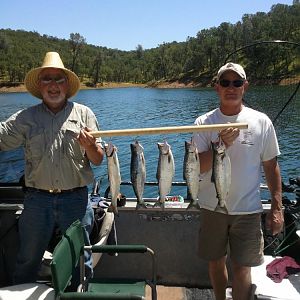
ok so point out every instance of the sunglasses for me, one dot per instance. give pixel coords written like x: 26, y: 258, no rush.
x: 236, y: 83
x: 48, y: 80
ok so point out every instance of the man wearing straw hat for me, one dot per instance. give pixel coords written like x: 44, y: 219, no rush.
x: 58, y: 152
x: 237, y: 224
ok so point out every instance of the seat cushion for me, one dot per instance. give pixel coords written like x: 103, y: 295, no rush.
x: 117, y: 286
x: 29, y: 291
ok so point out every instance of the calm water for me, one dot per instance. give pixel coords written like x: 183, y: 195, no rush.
x: 139, y: 107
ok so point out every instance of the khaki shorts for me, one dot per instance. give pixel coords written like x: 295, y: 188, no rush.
x: 242, y: 233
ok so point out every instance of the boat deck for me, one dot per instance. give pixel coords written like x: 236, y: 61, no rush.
x: 172, y: 233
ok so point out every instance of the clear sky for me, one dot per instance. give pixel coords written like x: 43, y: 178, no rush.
x: 123, y: 24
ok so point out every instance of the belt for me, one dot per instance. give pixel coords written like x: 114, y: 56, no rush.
x: 58, y: 191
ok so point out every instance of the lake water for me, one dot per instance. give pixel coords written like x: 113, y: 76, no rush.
x: 142, y: 107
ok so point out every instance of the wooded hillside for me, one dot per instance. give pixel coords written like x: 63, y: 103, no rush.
x: 196, y: 59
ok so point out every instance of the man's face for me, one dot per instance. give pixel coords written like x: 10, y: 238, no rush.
x: 231, y: 89
x: 53, y: 86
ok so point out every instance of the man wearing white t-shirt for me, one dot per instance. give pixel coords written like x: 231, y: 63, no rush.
x: 238, y: 224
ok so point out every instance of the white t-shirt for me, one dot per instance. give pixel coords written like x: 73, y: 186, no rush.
x: 254, y: 145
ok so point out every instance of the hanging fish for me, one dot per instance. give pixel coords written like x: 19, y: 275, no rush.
x: 114, y: 175
x: 191, y: 173
x: 138, y: 172
x: 221, y: 172
x: 165, y: 172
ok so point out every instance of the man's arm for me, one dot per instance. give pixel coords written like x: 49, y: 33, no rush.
x: 274, y: 218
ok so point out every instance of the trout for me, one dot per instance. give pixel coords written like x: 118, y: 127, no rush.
x: 138, y: 172
x: 114, y: 176
x: 221, y: 172
x: 165, y: 172
x: 191, y: 173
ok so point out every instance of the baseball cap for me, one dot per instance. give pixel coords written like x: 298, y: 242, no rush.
x: 232, y: 67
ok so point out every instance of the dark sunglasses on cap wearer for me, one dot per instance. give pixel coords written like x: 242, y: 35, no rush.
x: 235, y: 83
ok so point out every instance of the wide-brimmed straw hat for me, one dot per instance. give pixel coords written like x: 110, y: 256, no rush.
x: 51, y: 60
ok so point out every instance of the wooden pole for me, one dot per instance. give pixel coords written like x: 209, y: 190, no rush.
x: 167, y: 130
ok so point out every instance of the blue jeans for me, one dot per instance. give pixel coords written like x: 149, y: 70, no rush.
x: 42, y: 212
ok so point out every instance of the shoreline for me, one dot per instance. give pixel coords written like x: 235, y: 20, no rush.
x: 111, y: 85
x: 106, y: 85
x: 159, y: 84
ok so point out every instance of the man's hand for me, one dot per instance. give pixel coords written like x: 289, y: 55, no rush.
x: 229, y: 135
x: 93, y: 151
x: 274, y: 221
x: 85, y: 139
x: 274, y: 218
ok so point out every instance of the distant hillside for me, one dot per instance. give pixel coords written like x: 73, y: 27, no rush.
x: 190, y: 63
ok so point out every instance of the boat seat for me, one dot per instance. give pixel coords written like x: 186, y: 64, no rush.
x: 40, y: 291
x: 28, y: 291
x: 45, y: 271
x: 67, y: 255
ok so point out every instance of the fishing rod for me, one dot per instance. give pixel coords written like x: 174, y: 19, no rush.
x: 287, y: 103
x: 269, y: 42
x: 260, y: 43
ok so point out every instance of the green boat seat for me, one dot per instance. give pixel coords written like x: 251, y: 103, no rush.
x: 69, y: 253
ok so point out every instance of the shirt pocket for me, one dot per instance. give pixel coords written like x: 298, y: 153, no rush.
x: 35, y: 145
x: 71, y: 146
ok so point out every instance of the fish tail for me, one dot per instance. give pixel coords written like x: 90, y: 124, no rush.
x: 140, y: 204
x: 159, y: 204
x: 113, y: 209
x: 222, y: 203
x: 193, y: 205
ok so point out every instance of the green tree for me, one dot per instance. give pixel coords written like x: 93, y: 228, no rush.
x: 97, y: 64
x: 76, y: 42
